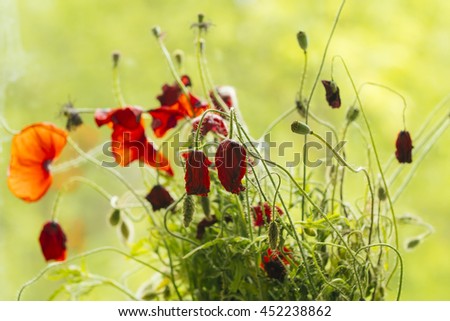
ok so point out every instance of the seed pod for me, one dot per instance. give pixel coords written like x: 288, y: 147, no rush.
x: 188, y: 210
x: 300, y: 128
x: 273, y: 235
x: 206, y: 205
x: 352, y: 114
x: 114, y: 218
x: 381, y: 193
x: 302, y: 40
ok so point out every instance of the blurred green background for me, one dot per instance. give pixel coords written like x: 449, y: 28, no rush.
x: 55, y: 50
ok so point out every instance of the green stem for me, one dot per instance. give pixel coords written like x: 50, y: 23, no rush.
x: 116, y: 87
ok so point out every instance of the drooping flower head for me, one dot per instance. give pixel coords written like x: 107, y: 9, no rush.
x: 231, y: 165
x: 332, y: 93
x: 159, y: 197
x: 53, y: 242
x: 404, y: 147
x: 227, y: 94
x: 261, y: 218
x: 175, y: 105
x: 128, y: 139
x: 275, y: 262
x: 197, y: 173
x: 203, y: 224
x: 211, y: 123
x: 32, y: 152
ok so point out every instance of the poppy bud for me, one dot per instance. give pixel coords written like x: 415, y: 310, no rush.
x: 115, y: 57
x: 159, y: 197
x: 412, y: 243
x: 310, y: 231
x: 114, y: 218
x: 352, y: 114
x: 302, y: 40
x: 381, y: 193
x: 156, y: 30
x: 300, y: 105
x: 53, y: 242
x: 125, y: 231
x: 273, y: 235
x: 197, y: 173
x: 206, y: 206
x: 231, y: 165
x: 332, y: 93
x: 178, y: 55
x: 403, y: 147
x: 300, y: 128
x: 188, y: 210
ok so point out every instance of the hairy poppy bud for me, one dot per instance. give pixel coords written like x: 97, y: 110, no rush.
x: 53, y: 242
x: 403, y: 147
x: 159, y: 197
x: 206, y: 206
x: 231, y: 165
x: 188, y: 210
x: 332, y: 93
x: 302, y: 40
x: 300, y: 128
x: 300, y: 105
x: 114, y: 218
x: 381, y: 193
x: 352, y: 114
x: 273, y: 235
x: 413, y: 243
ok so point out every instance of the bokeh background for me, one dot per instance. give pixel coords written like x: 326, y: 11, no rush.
x: 52, y: 51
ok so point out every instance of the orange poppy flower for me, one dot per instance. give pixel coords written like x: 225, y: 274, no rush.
x: 32, y: 151
x: 175, y: 105
x: 129, y: 142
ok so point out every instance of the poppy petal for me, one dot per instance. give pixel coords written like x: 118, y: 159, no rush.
x: 197, y: 173
x: 231, y: 165
x: 404, y: 147
x: 32, y: 151
x: 53, y: 242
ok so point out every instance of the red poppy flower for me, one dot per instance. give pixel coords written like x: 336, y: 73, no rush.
x: 53, y: 242
x: 197, y: 173
x: 403, y: 147
x: 159, y: 197
x: 32, y: 151
x: 258, y: 215
x: 231, y: 165
x: 332, y: 93
x: 203, y: 224
x: 274, y: 263
x: 175, y: 105
x: 228, y: 95
x: 129, y: 142
x: 211, y: 122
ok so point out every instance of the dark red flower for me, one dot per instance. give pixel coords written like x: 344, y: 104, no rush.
x: 403, y: 147
x: 231, y: 165
x: 129, y: 142
x: 332, y: 93
x: 258, y: 215
x: 197, y: 173
x: 203, y: 224
x: 175, y: 105
x: 211, y: 122
x: 228, y: 95
x: 159, y: 197
x: 53, y: 242
x: 274, y: 263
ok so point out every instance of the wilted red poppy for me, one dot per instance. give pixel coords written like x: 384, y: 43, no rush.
x: 228, y: 95
x: 259, y: 217
x: 332, y: 93
x: 32, y: 151
x: 211, y: 122
x: 274, y: 263
x: 231, y: 165
x: 175, y: 105
x: 203, y: 224
x: 159, y: 197
x: 53, y: 242
x: 403, y: 147
x: 129, y: 142
x: 197, y: 173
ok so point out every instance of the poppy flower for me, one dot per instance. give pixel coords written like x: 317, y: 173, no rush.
x: 203, y: 224
x: 159, y: 197
x: 32, y: 151
x: 228, y: 95
x: 129, y: 142
x: 211, y: 122
x: 259, y: 217
x: 175, y: 105
x: 53, y: 242
x: 332, y: 93
x: 403, y: 147
x: 231, y: 165
x: 197, y: 173
x: 274, y: 263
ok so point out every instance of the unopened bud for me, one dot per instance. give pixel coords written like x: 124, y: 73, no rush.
x: 411, y: 244
x: 115, y: 58
x: 188, y: 210
x: 302, y: 40
x: 206, y: 205
x: 125, y: 231
x: 156, y: 30
x: 273, y: 235
x: 381, y: 193
x: 300, y: 105
x: 352, y: 114
x: 178, y: 55
x: 300, y: 128
x: 114, y: 218
x: 310, y: 231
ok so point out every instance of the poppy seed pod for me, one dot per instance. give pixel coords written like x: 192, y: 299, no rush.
x: 300, y: 128
x: 53, y: 242
x: 404, y: 147
x: 332, y: 93
x: 197, y: 173
x: 159, y: 198
x: 231, y: 165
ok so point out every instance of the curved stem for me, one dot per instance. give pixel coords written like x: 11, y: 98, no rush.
x: 116, y: 87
